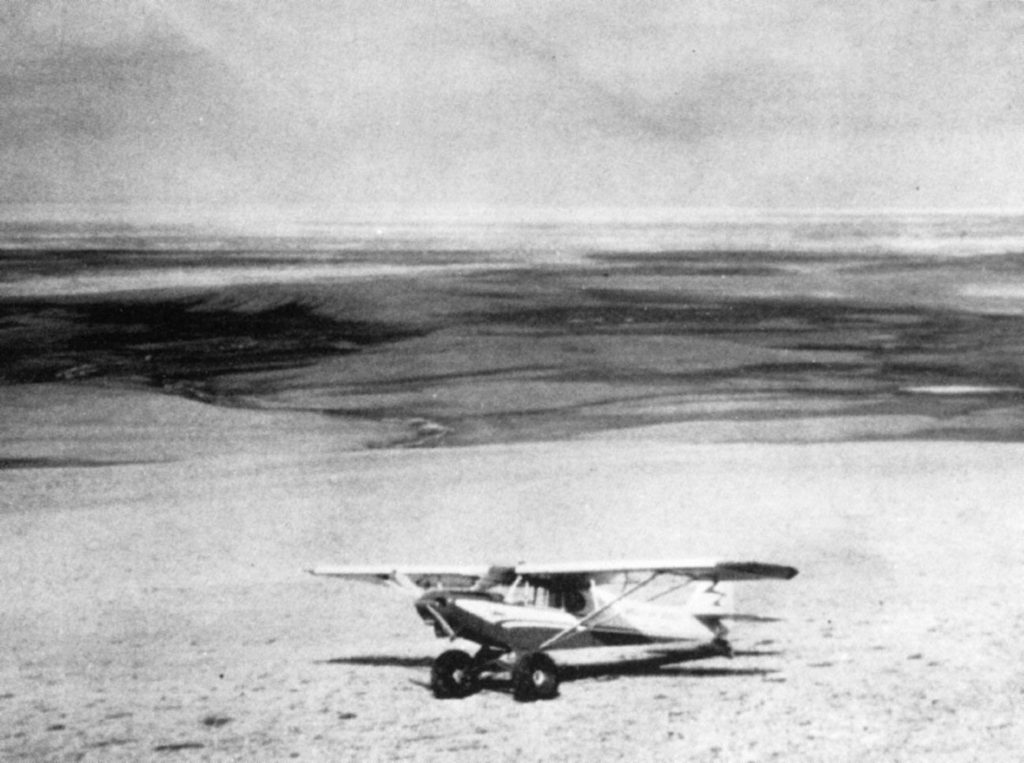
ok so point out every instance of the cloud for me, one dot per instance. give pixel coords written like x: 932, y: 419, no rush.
x: 506, y: 103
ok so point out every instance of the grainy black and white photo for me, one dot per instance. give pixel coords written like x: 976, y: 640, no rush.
x: 637, y: 380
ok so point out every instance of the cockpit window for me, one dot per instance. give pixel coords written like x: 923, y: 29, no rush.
x: 522, y: 592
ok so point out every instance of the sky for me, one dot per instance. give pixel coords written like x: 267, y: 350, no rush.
x: 494, y: 104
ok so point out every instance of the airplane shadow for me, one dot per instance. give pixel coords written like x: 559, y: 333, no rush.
x: 757, y: 653
x: 574, y: 673
x: 569, y: 673
x: 380, y: 661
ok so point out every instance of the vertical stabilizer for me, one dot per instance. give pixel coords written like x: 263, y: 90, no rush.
x: 712, y: 600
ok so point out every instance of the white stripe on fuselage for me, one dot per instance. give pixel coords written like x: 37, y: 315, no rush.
x: 516, y: 615
x: 652, y: 620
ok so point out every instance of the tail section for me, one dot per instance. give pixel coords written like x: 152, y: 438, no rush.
x: 711, y: 600
x: 711, y: 603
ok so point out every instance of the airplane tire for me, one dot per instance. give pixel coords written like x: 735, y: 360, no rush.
x: 534, y: 676
x: 452, y: 676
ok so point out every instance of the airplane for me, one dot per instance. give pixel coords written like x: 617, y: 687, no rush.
x: 518, y: 614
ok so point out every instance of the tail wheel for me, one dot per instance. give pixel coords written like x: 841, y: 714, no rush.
x: 534, y: 676
x: 453, y: 675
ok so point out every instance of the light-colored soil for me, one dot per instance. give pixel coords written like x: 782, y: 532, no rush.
x: 156, y: 607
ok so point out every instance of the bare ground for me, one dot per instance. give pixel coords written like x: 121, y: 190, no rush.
x: 859, y: 418
x: 156, y: 608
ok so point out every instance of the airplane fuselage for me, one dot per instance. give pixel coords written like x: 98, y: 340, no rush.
x: 487, y: 619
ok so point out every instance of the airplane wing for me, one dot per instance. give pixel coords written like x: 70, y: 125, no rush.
x: 416, y: 579
x: 695, y: 569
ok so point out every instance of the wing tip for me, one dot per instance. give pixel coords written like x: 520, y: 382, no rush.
x: 762, y: 570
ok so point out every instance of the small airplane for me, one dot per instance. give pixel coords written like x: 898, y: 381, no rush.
x: 519, y: 614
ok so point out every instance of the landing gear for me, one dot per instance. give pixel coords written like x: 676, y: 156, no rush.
x: 456, y: 675
x: 722, y: 647
x: 453, y: 675
x: 534, y: 676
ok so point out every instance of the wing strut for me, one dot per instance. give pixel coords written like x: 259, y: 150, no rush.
x: 441, y: 622
x: 599, y: 611
x: 676, y: 587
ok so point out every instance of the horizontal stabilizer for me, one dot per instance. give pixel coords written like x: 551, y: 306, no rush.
x: 752, y: 618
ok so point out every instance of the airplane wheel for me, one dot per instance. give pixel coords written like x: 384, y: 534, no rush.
x: 452, y: 675
x: 534, y: 676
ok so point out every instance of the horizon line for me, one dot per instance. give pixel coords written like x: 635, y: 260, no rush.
x: 466, y: 214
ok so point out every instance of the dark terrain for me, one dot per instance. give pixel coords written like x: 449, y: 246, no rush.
x: 510, y: 352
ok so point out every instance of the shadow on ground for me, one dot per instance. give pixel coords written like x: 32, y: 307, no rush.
x: 380, y: 661
x: 499, y: 682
